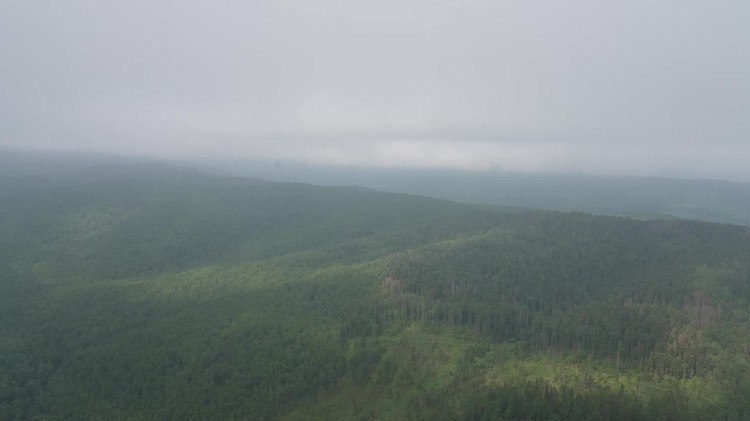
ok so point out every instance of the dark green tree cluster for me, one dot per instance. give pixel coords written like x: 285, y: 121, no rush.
x: 601, y: 286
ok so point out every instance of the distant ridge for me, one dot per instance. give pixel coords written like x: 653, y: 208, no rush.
x: 657, y: 197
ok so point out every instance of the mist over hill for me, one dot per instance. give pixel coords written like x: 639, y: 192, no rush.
x: 639, y: 197
x: 408, y: 210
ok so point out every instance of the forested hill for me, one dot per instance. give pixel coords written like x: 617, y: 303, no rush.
x: 144, y: 291
x: 640, y: 197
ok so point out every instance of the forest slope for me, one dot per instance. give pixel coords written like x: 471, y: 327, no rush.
x: 155, y: 292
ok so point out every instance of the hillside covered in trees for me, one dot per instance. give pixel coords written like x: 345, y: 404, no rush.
x: 640, y: 197
x: 147, y: 291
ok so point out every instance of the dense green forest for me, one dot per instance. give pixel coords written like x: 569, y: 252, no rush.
x: 148, y: 291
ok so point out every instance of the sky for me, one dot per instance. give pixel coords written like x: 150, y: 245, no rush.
x: 639, y: 87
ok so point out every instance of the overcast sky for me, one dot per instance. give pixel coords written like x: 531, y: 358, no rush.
x: 626, y: 87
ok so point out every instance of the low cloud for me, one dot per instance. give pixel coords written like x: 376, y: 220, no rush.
x: 631, y: 87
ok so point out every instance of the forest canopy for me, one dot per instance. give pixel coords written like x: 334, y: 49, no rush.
x: 156, y: 292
